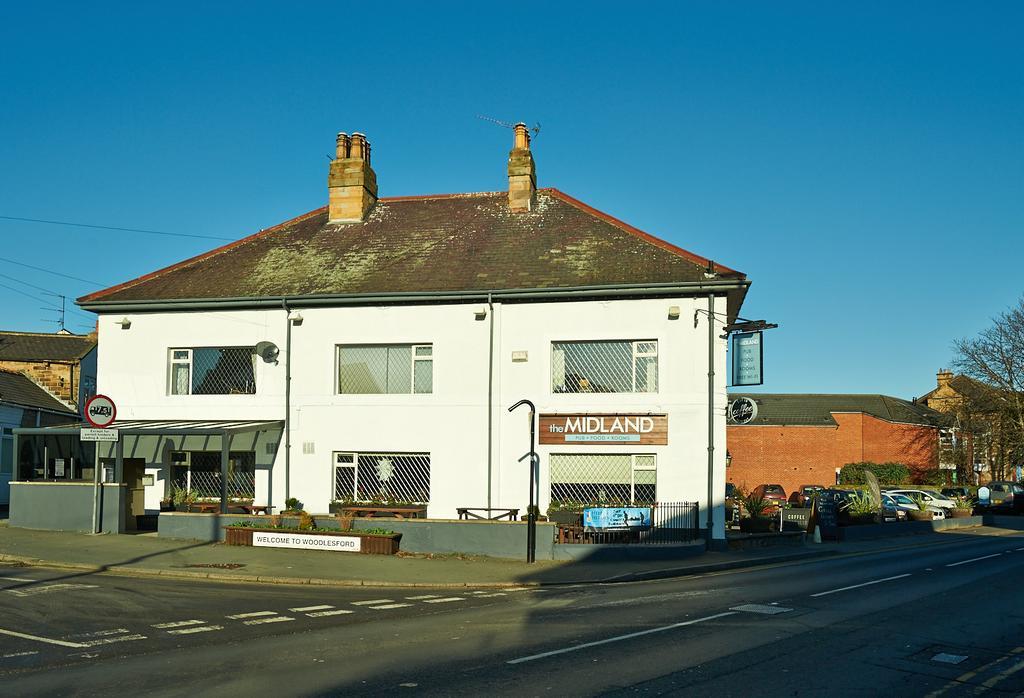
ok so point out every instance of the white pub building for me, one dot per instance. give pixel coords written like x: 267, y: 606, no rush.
x: 368, y: 351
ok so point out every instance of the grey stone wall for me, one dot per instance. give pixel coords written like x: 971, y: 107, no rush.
x: 66, y: 506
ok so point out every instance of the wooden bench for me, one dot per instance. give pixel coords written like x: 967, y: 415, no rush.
x: 398, y: 512
x: 487, y: 513
x: 214, y: 508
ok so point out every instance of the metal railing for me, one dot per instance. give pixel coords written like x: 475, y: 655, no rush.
x: 206, y: 483
x: 671, y: 522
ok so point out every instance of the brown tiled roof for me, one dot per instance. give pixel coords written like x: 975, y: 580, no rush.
x: 17, y: 389
x: 31, y: 346
x: 443, y: 244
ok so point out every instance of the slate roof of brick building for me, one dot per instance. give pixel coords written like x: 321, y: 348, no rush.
x: 31, y: 346
x: 778, y: 409
x: 443, y: 244
x: 17, y: 389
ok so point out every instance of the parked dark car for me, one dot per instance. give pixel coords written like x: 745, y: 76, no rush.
x: 775, y: 494
x: 802, y: 496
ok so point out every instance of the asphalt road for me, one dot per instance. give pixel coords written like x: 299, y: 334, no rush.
x: 941, y: 619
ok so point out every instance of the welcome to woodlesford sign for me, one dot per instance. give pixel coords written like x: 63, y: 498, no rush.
x: 644, y: 429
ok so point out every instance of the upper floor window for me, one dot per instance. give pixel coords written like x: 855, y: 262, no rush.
x: 616, y: 366
x: 212, y: 371
x: 385, y: 368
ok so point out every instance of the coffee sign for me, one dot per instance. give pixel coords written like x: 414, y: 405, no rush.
x: 644, y: 429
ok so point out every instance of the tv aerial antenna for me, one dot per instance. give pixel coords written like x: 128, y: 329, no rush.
x: 504, y: 124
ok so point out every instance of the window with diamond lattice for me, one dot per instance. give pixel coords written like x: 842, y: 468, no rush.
x: 382, y: 477
x: 604, y: 367
x: 212, y: 371
x: 611, y: 479
x: 385, y: 369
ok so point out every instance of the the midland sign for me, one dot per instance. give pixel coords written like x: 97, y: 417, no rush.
x: 649, y: 429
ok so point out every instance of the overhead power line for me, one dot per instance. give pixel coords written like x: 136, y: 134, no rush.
x: 55, y: 273
x: 110, y: 227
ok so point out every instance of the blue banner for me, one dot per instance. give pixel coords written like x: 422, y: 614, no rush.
x: 747, y: 359
x: 610, y: 518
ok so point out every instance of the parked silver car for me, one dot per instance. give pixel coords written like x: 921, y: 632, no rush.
x: 902, y: 504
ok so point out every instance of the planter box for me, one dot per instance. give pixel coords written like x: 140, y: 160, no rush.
x: 958, y: 513
x: 566, y: 518
x: 370, y: 544
x: 756, y: 525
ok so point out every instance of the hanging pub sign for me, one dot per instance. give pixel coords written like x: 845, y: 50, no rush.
x: 644, y: 429
x: 747, y: 359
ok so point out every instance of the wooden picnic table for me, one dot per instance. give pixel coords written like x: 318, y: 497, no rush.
x: 486, y: 513
x: 398, y: 511
x: 214, y: 508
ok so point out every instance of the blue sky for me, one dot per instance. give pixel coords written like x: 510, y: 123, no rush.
x: 862, y: 164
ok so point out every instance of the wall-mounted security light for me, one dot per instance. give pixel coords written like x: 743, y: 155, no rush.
x: 125, y: 323
x: 673, y: 312
x: 480, y: 313
x: 295, y: 317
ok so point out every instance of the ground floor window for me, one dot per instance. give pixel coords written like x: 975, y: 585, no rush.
x: 607, y: 479
x: 395, y: 478
x: 199, y: 472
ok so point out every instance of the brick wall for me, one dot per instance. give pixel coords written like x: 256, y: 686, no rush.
x: 56, y: 377
x: 809, y: 455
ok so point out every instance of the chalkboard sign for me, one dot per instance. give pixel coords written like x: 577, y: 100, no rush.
x: 825, y: 514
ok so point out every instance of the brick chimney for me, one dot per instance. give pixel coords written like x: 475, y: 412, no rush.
x: 351, y: 183
x: 522, y: 176
x: 943, y: 377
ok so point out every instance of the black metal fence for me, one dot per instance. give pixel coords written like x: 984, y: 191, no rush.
x: 671, y: 522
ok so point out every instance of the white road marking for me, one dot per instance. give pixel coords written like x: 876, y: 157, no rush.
x: 521, y: 589
x: 857, y: 586
x: 303, y: 609
x: 421, y: 597
x: 33, y: 591
x: 946, y: 658
x: 335, y: 612
x: 275, y: 619
x: 488, y: 596
x: 371, y: 602
x: 391, y: 605
x: 112, y: 640
x: 445, y: 600
x: 101, y: 633
x: 200, y: 629
x: 18, y: 579
x: 18, y: 654
x: 256, y: 614
x: 973, y: 559
x: 761, y: 608
x: 177, y: 624
x: 619, y: 638
x: 47, y: 640
x: 1018, y: 549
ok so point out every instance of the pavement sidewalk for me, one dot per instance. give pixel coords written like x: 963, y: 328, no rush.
x: 150, y: 556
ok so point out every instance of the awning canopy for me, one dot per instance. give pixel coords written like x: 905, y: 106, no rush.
x: 162, y: 428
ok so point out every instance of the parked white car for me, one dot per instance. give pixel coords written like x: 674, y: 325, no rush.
x: 935, y: 500
x: 902, y: 503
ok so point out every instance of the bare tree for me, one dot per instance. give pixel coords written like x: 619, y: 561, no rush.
x: 995, y: 359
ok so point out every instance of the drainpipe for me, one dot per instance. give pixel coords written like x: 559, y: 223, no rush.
x: 287, y: 400
x: 711, y: 417
x: 490, y: 399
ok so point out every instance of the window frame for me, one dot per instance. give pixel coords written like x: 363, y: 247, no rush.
x: 635, y: 354
x: 414, y: 359
x: 190, y: 362
x: 354, y: 465
x: 639, y: 462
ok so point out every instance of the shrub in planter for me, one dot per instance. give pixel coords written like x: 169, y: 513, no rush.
x: 755, y: 506
x: 860, y: 509
x: 923, y: 513
x: 964, y: 508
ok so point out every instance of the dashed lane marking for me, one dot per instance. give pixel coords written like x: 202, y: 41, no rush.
x: 37, y: 638
x: 275, y: 619
x: 421, y: 597
x: 303, y: 609
x: 112, y: 640
x: 255, y: 614
x: 858, y: 586
x: 35, y: 591
x: 18, y: 579
x: 371, y: 602
x: 489, y: 596
x: 619, y: 638
x: 177, y: 624
x: 200, y: 629
x: 335, y: 612
x: 390, y: 606
x: 973, y: 559
x: 445, y: 600
x: 18, y: 654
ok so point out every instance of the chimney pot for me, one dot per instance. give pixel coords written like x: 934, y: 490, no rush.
x: 522, y: 172
x: 351, y: 182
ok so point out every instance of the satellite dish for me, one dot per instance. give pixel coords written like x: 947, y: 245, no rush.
x: 267, y: 351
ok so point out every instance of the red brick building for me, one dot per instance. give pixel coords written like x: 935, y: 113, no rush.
x: 805, y: 439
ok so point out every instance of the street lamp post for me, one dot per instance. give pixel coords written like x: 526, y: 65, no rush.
x: 531, y: 512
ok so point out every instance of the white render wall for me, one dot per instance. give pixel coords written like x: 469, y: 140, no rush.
x: 450, y: 423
